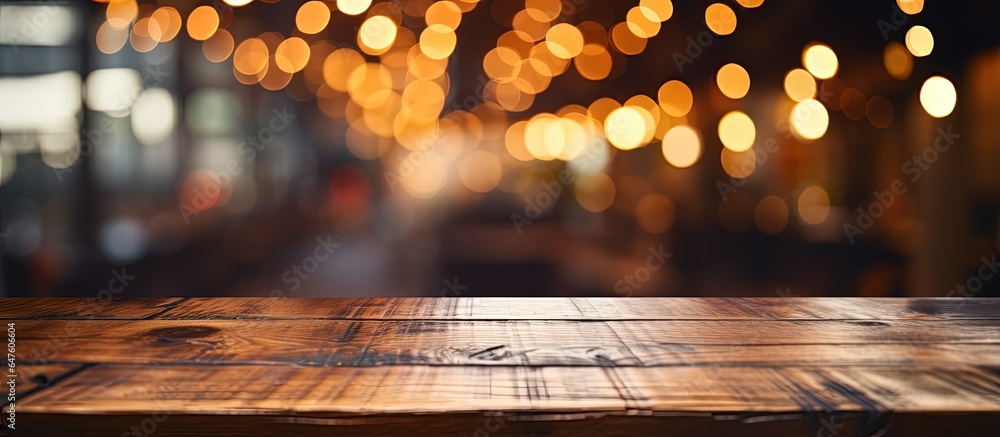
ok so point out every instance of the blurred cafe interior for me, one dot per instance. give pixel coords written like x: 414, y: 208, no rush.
x: 499, y: 148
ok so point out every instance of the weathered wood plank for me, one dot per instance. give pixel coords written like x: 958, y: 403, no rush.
x: 329, y: 392
x: 557, y: 367
x: 535, y: 343
x: 939, y: 355
x: 30, y: 377
x: 503, y: 309
x: 83, y: 308
x: 320, y: 342
x: 27, y: 380
x: 586, y: 309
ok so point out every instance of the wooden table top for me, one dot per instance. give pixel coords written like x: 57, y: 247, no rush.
x: 497, y: 366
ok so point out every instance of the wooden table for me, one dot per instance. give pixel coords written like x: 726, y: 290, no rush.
x: 490, y: 367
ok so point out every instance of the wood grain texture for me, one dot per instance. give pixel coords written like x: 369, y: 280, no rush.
x: 518, y: 343
x: 84, y: 308
x: 486, y: 366
x: 27, y: 380
x: 411, y: 398
x: 268, y: 390
x: 385, y: 309
x: 30, y: 378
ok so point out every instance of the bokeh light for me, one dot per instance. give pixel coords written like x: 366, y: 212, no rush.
x: 800, y: 85
x: 625, y: 128
x: 353, y: 7
x: 251, y: 56
x: 898, y: 61
x: 809, y: 119
x: 437, y: 41
x: 813, y: 205
x: 720, y: 19
x: 146, y: 34
x: 643, y: 22
x: 169, y: 22
x: 201, y: 190
x: 514, y: 141
x: 661, y: 9
x: 739, y: 164
x: 378, y: 32
x: 938, y: 96
x: 111, y: 39
x: 153, y: 116
x: 625, y: 41
x: 733, y: 81
x: 595, y: 192
x: 820, y: 61
x: 112, y: 90
x: 919, y: 41
x: 445, y: 13
x: 338, y: 65
x: 202, y: 23
x: 292, y: 55
x: 911, y: 7
x: 737, y: 131
x: 312, y: 17
x: 480, y: 171
x: 121, y: 13
x: 594, y: 62
x: 219, y: 46
x: 675, y: 98
x: 547, y: 10
x: 564, y: 40
x: 681, y: 146
x: 427, y: 179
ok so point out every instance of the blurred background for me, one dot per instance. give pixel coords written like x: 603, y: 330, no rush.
x: 499, y: 148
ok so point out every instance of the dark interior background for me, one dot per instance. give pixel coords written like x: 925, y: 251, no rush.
x: 115, y: 212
